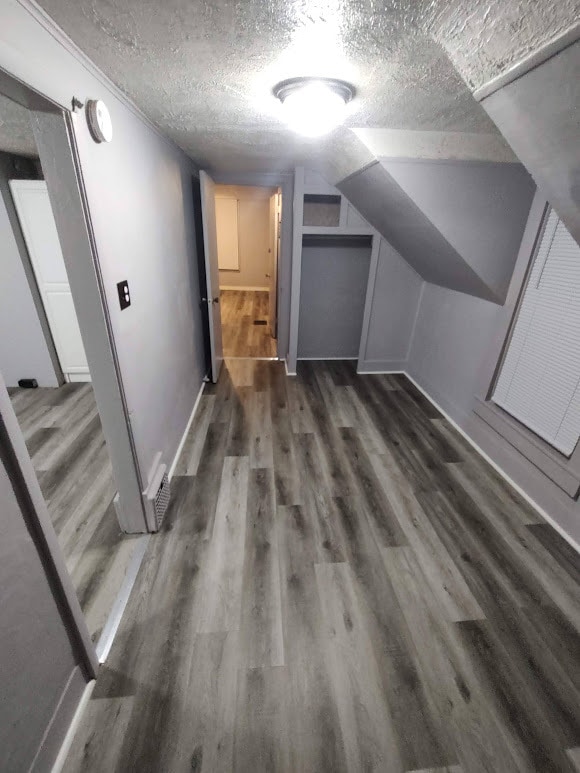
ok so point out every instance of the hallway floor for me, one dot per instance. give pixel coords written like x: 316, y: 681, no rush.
x: 242, y: 337
x: 63, y: 435
x: 341, y: 583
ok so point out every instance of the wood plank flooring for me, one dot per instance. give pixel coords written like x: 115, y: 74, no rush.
x: 341, y: 584
x: 240, y: 309
x: 63, y: 435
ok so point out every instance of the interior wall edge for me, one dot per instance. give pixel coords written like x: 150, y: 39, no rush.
x: 533, y: 60
x: 526, y: 479
x: 46, y: 21
x: 352, y: 175
x: 69, y: 736
x: 368, y: 367
x: 416, y: 319
x: 26, y: 487
x: 184, y: 436
x: 68, y: 199
x: 60, y: 723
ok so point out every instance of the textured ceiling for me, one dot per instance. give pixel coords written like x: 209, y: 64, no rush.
x: 203, y: 71
x: 484, y: 38
x: 15, y: 130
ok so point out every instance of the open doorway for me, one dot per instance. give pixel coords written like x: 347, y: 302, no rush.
x: 44, y: 365
x: 248, y: 246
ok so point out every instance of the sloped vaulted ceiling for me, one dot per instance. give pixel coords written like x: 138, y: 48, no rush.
x: 458, y: 223
x: 203, y: 71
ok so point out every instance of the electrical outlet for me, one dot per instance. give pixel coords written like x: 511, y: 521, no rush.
x: 124, y: 296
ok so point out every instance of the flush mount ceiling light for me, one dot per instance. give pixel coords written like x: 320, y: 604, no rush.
x: 314, y: 106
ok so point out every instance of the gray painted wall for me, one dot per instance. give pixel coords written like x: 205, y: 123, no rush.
x: 37, y: 660
x: 386, y: 206
x: 333, y: 287
x: 457, y: 223
x: 481, y: 208
x: 24, y: 352
x: 456, y: 345
x: 450, y: 345
x: 393, y: 311
x: 449, y: 358
x: 144, y: 232
x: 139, y: 194
x: 538, y: 115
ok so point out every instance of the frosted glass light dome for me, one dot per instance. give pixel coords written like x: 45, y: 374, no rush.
x: 314, y: 106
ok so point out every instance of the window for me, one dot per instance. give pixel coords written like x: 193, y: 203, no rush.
x: 539, y: 379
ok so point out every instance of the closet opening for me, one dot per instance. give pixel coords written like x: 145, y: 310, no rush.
x: 333, y: 288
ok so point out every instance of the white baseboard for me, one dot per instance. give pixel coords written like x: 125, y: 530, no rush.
x: 382, y: 366
x: 498, y: 469
x: 381, y: 373
x: 184, y: 437
x: 119, y: 605
x: 288, y: 372
x: 246, y: 288
x: 326, y: 359
x: 78, y: 377
x: 73, y: 727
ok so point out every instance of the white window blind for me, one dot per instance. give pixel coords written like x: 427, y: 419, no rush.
x: 539, y: 381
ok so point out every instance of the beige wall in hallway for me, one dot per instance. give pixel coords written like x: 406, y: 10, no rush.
x: 253, y: 231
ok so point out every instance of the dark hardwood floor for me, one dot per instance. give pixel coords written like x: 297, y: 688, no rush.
x: 63, y: 435
x: 240, y: 310
x: 341, y: 583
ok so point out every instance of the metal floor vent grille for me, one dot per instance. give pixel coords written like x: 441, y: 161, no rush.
x: 156, y: 497
x: 162, y: 500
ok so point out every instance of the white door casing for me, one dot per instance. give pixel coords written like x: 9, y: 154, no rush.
x: 39, y: 229
x: 208, y: 209
x: 274, y: 249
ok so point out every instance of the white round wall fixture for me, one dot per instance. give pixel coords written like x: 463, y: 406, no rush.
x: 99, y: 120
x: 314, y: 106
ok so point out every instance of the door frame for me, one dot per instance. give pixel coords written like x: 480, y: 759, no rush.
x: 299, y: 230
x: 285, y: 182
x: 26, y: 486
x: 274, y: 252
x: 53, y: 128
x: 210, y: 257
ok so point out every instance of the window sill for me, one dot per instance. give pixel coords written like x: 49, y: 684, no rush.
x: 563, y: 471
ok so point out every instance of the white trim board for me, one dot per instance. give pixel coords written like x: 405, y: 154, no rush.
x: 73, y: 727
x: 326, y: 359
x: 381, y: 373
x: 244, y: 287
x: 481, y: 452
x: 369, y: 367
x: 184, y: 436
x: 115, y: 616
x: 497, y: 468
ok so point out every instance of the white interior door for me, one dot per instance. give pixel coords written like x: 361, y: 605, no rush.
x: 39, y: 229
x: 207, y: 186
x: 274, y: 248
